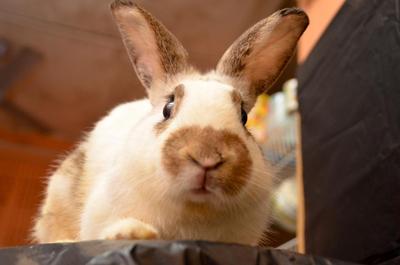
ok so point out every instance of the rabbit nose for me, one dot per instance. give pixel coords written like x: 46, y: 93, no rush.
x: 208, y: 162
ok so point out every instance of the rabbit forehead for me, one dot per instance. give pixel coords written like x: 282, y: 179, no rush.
x: 209, y: 103
x: 207, y: 84
x: 208, y: 95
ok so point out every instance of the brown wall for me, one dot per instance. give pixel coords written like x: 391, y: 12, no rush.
x: 84, y: 70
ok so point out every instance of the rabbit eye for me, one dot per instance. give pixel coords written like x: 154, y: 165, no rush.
x: 244, y: 117
x: 168, y: 107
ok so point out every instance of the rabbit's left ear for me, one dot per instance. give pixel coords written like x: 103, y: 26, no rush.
x: 154, y: 52
x: 257, y: 58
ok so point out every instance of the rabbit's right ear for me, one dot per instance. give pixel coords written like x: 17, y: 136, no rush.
x: 156, y: 54
x: 258, y: 56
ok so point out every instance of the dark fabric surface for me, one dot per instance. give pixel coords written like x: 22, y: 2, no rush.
x: 153, y: 252
x: 349, y: 96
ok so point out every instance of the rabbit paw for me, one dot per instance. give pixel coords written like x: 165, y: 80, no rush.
x: 129, y: 229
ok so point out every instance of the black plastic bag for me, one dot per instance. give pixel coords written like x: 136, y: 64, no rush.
x: 349, y: 98
x: 153, y: 252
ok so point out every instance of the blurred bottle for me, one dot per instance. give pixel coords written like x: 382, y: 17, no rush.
x: 273, y: 123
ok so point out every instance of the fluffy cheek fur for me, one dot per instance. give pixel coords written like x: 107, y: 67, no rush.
x: 140, y: 160
x: 262, y: 175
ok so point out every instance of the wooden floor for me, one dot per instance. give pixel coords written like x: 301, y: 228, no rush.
x: 25, y: 160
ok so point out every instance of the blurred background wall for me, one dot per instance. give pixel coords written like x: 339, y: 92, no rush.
x: 75, y: 67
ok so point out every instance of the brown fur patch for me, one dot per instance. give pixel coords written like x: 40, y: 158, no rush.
x: 206, y: 142
x: 73, y: 165
x: 292, y: 11
x: 119, y: 3
x: 73, y: 168
x: 236, y: 98
x: 240, y: 56
x: 161, y: 126
x: 59, y: 215
x: 156, y: 54
x: 260, y: 54
x: 179, y: 93
x: 234, y: 64
x: 172, y: 54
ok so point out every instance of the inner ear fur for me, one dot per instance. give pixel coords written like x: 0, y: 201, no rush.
x: 257, y: 58
x: 155, y: 53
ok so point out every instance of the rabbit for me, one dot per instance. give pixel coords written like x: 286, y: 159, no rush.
x: 180, y: 164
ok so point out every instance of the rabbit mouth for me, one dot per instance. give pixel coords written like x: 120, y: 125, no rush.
x: 200, y: 195
x: 199, y: 182
x: 200, y: 191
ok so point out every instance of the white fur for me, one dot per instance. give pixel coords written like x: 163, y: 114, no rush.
x: 124, y: 166
x: 123, y: 189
